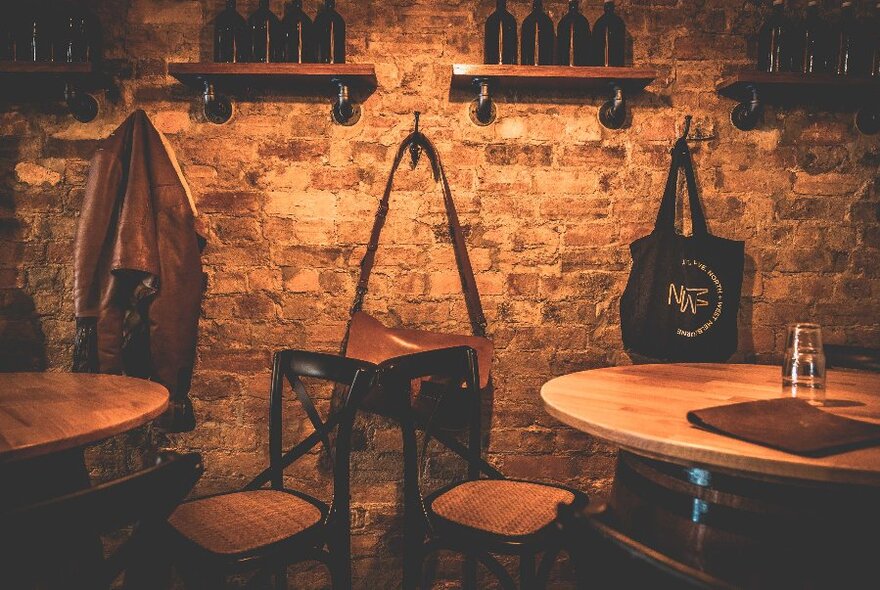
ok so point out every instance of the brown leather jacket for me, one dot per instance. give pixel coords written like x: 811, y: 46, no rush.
x: 138, y: 279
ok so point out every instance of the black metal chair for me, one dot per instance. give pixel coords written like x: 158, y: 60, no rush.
x: 606, y: 558
x: 852, y: 357
x: 43, y: 542
x: 265, y: 530
x: 476, y: 517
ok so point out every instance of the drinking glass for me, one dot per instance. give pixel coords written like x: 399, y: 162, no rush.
x: 803, y: 367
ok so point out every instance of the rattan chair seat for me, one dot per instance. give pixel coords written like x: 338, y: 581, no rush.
x: 502, y: 507
x: 239, y: 522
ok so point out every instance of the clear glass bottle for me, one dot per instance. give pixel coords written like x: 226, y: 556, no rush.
x: 872, y: 38
x: 538, y: 37
x: 230, y: 36
x: 329, y: 34
x: 573, y: 37
x: 296, y: 34
x: 264, y: 31
x: 815, y: 43
x: 847, y: 42
x: 77, y: 36
x: 500, y: 43
x: 773, y: 40
x: 36, y: 34
x: 609, y: 38
x: 7, y: 35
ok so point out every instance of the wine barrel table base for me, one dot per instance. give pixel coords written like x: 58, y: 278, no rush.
x: 754, y: 516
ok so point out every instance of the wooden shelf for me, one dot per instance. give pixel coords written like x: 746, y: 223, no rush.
x: 48, y: 68
x: 274, y: 74
x: 739, y: 85
x: 301, y: 78
x: 489, y: 78
x: 827, y: 91
x: 28, y: 80
x: 554, y: 77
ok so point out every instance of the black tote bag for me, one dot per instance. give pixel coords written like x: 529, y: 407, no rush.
x: 682, y: 298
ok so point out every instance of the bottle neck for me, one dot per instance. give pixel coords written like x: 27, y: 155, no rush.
x: 609, y: 6
x: 230, y: 4
x: 573, y: 6
x: 264, y: 4
x: 537, y: 5
x: 329, y: 4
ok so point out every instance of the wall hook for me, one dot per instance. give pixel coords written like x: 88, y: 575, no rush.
x: 415, y: 150
x: 687, y: 127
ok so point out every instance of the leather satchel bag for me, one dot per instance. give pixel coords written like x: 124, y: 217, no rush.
x: 367, y: 339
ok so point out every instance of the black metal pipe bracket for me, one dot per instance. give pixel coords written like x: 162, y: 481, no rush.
x: 344, y: 112
x: 217, y: 107
x: 745, y: 115
x: 83, y: 106
x: 867, y: 120
x: 483, y: 111
x: 612, y: 113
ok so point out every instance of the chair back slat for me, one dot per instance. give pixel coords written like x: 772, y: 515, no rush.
x: 291, y: 366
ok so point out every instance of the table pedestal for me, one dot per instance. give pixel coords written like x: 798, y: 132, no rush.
x: 755, y: 532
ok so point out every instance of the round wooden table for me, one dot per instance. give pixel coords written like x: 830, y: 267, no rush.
x: 43, y: 413
x: 735, y: 509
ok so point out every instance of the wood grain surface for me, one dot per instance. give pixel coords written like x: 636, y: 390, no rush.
x: 554, y: 77
x: 43, y: 413
x: 192, y: 73
x: 643, y: 408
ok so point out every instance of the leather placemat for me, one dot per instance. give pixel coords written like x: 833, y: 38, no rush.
x: 788, y: 424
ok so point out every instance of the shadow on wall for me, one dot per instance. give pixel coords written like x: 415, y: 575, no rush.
x: 22, y: 341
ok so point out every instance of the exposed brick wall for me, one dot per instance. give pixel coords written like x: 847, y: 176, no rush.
x: 549, y: 200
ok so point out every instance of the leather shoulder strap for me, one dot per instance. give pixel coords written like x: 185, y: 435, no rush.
x: 465, y: 270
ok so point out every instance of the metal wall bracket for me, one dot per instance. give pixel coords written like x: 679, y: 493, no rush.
x: 83, y: 107
x: 483, y: 111
x: 217, y: 107
x: 612, y: 113
x: 868, y: 120
x: 745, y: 115
x: 344, y: 112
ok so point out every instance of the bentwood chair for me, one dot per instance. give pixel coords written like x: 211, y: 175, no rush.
x: 51, y: 542
x: 604, y: 557
x: 476, y: 517
x: 262, y: 529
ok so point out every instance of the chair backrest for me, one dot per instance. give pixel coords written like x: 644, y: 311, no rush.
x: 41, y: 531
x: 291, y: 366
x: 456, y: 365
x: 853, y: 357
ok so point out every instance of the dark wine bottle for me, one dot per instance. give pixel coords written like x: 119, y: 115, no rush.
x: 264, y: 31
x: 609, y: 38
x: 7, y: 35
x: 815, y: 45
x: 329, y: 34
x: 773, y: 40
x: 36, y: 34
x: 538, y: 37
x: 230, y: 36
x: 500, y: 42
x: 873, y: 40
x: 573, y: 37
x: 296, y: 34
x: 77, y: 36
x: 848, y: 46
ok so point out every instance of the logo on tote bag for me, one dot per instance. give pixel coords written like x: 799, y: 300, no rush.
x: 688, y: 299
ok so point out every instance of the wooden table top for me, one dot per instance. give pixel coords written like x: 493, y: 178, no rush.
x: 42, y: 413
x: 643, y: 409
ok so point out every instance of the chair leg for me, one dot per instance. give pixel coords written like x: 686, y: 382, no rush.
x: 469, y: 573
x: 279, y: 577
x: 527, y: 571
x: 545, y: 567
x: 340, y: 561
